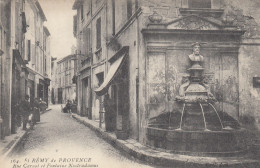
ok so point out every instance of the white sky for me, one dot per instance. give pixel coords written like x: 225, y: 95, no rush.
x: 59, y: 16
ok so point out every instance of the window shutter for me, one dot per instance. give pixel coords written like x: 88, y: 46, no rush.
x: 33, y: 54
x: 129, y: 8
x: 88, y: 41
x: 75, y: 25
x: 98, y: 30
x: 29, y: 50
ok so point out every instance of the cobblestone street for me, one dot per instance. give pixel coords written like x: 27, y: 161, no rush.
x: 61, y: 137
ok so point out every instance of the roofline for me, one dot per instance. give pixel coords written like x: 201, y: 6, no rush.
x: 76, y: 3
x: 65, y: 58
x: 40, y: 11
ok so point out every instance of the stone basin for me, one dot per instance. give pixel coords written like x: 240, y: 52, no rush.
x: 199, y: 143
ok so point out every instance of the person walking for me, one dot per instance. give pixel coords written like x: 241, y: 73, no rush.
x: 110, y: 116
x: 36, y: 111
x: 25, y: 108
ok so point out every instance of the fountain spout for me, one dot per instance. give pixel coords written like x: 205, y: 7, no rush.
x: 217, y: 115
x: 204, y: 119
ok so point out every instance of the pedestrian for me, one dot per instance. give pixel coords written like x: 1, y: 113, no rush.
x: 42, y: 105
x: 25, y: 108
x: 36, y: 111
x: 67, y: 108
x: 18, y: 116
x: 109, y: 113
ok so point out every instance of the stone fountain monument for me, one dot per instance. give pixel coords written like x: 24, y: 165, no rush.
x: 198, y: 128
x: 195, y: 96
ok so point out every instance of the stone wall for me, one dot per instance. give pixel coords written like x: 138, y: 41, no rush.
x: 246, y: 15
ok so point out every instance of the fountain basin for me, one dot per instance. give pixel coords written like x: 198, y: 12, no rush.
x: 200, y: 143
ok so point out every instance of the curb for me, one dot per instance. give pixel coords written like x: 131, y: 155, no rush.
x: 154, y: 159
x: 13, y: 144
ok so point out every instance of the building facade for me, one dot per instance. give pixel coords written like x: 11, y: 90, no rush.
x: 20, y: 22
x: 37, y: 52
x: 137, y: 52
x: 90, y: 30
x: 65, y: 71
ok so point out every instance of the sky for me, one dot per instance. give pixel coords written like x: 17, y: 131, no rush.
x: 59, y: 16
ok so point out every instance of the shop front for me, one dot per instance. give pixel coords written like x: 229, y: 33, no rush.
x: 86, y: 93
x: 19, y: 77
x: 116, y: 90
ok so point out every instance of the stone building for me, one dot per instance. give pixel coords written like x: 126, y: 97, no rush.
x: 90, y: 31
x: 65, y: 71
x: 37, y: 51
x: 137, y: 51
x: 20, y: 22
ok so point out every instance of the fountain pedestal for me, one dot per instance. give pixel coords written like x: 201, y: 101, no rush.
x: 200, y: 130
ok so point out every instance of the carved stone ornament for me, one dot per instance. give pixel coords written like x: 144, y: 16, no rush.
x: 155, y: 17
x: 193, y: 23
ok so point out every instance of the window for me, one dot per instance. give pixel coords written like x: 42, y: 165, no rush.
x: 75, y: 25
x: 45, y: 64
x: 100, y: 78
x: 87, y: 41
x: 98, y: 35
x: 29, y: 50
x: 113, y: 18
x: 136, y: 4
x: 129, y: 8
x: 199, y: 4
x: 1, y: 38
x: 81, y: 12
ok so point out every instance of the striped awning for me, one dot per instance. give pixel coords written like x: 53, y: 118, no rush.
x: 114, y: 68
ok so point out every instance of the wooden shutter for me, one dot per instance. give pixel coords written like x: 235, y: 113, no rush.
x: 29, y: 50
x: 98, y: 30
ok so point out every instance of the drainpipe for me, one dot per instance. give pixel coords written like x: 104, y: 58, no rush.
x: 1, y: 92
x: 91, y: 63
x: 137, y: 77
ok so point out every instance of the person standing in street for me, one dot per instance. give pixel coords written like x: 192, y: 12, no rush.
x: 110, y: 116
x: 36, y: 110
x: 25, y: 108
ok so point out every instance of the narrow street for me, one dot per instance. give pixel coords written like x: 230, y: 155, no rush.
x: 58, y: 136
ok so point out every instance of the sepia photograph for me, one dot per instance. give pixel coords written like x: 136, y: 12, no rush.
x: 130, y: 83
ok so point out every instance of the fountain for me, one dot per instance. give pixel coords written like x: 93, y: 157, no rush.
x: 198, y: 129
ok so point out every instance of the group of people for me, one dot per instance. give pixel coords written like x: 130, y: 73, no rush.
x: 69, y: 107
x: 29, y: 112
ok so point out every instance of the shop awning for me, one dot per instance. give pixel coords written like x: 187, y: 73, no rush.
x: 114, y: 68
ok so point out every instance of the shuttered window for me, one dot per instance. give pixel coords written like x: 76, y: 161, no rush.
x: 87, y: 40
x: 129, y: 8
x: 29, y: 50
x: 98, y: 35
x: 81, y: 12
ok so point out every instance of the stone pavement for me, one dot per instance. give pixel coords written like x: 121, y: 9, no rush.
x: 162, y: 158
x: 8, y: 144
